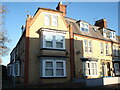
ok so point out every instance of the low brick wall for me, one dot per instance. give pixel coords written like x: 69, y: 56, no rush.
x: 0, y: 77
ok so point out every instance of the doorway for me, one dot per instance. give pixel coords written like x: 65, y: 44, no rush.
x: 103, y: 69
x: 108, y: 69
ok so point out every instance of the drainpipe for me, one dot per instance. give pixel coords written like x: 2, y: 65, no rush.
x: 72, y: 63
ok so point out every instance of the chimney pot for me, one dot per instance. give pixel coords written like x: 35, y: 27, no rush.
x: 62, y: 8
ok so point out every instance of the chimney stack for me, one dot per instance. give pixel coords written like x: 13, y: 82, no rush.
x: 62, y: 8
x: 101, y: 23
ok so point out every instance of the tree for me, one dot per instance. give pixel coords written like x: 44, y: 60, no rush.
x: 3, y: 35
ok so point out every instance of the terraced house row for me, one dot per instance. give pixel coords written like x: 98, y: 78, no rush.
x: 54, y: 48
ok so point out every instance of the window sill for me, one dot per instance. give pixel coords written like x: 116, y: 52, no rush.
x: 53, y: 49
x: 53, y: 77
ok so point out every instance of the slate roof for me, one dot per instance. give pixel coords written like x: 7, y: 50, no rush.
x: 92, y: 33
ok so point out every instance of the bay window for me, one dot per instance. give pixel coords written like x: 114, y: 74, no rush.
x: 53, y: 40
x: 90, y: 68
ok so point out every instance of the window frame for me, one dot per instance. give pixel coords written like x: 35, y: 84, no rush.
x: 83, y: 26
x: 91, y: 72
x: 101, y: 48
x: 54, y: 67
x: 107, y: 49
x: 89, y: 47
x: 46, y: 17
x: 86, y: 46
x: 53, y: 34
x: 18, y: 69
x: 56, y: 21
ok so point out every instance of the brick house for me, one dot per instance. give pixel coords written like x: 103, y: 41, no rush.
x: 56, y: 49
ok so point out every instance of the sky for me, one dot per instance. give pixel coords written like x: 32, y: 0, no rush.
x: 17, y: 12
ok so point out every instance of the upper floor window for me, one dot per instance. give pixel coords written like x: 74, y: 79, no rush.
x: 87, y: 46
x: 49, y: 41
x: 47, y: 19
x: 53, y: 40
x: 84, y: 27
x: 50, y: 19
x: 54, y: 20
x: 101, y: 48
x: 107, y: 49
x: 115, y: 50
x: 59, y: 41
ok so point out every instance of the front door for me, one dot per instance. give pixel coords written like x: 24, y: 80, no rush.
x: 108, y: 69
x: 103, y: 69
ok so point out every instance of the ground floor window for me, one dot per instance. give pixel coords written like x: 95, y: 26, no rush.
x: 53, y: 68
x: 90, y: 68
x: 117, y: 68
x: 17, y: 69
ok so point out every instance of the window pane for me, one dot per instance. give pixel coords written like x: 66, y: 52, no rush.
x: 48, y: 37
x: 49, y: 72
x: 59, y: 41
x: 92, y: 65
x: 47, y: 19
x: 49, y: 41
x: 59, y: 64
x: 59, y: 72
x: 54, y: 20
x: 59, y: 45
x: 49, y: 44
x: 87, y: 71
x: 82, y: 29
x: 59, y: 38
x: 87, y: 65
x: 49, y: 64
x: 16, y: 69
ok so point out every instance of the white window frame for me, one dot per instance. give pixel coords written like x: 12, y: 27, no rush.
x: 53, y: 34
x: 107, y: 49
x: 89, y: 46
x: 54, y: 67
x: 85, y: 26
x: 90, y: 68
x: 47, y: 19
x: 86, y: 46
x: 101, y: 48
x: 18, y: 69
x: 54, y: 22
